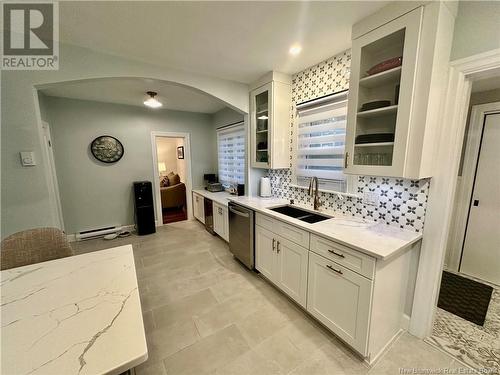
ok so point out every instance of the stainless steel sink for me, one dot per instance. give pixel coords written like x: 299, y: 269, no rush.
x: 300, y: 214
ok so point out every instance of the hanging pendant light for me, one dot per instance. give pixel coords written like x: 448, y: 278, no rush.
x: 152, y: 102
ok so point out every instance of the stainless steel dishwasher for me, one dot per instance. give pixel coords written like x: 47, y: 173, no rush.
x: 241, y: 234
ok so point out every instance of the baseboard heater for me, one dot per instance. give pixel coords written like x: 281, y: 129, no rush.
x: 96, y: 233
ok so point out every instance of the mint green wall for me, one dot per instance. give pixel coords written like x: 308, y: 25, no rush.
x: 95, y: 194
x: 25, y: 201
x: 477, y: 28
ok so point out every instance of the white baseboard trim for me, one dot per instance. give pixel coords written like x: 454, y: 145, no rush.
x: 371, y: 362
x: 405, y: 322
x: 72, y: 237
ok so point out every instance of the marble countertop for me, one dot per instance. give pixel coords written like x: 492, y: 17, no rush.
x: 221, y: 197
x: 75, y: 315
x: 375, y: 239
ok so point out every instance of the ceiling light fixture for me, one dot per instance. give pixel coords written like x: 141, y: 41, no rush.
x: 263, y: 117
x: 152, y: 102
x: 295, y: 49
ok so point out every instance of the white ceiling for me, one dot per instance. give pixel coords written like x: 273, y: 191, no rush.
x: 132, y: 91
x: 488, y: 81
x: 236, y: 40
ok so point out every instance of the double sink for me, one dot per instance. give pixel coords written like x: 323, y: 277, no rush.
x: 300, y: 214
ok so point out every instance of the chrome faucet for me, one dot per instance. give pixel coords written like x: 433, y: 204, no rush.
x: 314, y: 192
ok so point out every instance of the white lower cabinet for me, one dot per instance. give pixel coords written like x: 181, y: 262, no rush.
x: 360, y: 299
x: 265, y: 259
x: 291, y: 269
x: 199, y: 207
x: 282, y: 262
x: 221, y: 221
x: 340, y: 299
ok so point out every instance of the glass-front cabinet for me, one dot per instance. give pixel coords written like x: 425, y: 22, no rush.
x: 262, y: 118
x: 383, y: 71
x: 270, y: 105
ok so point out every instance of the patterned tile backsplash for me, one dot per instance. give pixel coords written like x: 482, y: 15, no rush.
x: 401, y: 202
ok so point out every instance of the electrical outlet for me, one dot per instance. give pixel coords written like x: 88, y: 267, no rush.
x: 371, y: 198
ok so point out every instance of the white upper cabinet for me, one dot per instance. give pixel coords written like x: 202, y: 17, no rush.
x: 394, y: 136
x: 270, y: 103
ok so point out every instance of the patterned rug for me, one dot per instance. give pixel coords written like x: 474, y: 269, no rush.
x: 474, y: 345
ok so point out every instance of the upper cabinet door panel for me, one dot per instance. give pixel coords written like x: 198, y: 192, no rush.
x: 261, y: 117
x: 270, y: 104
x: 378, y: 135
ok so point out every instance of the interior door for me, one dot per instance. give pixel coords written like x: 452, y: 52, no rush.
x: 265, y: 256
x: 481, y: 251
x: 53, y: 183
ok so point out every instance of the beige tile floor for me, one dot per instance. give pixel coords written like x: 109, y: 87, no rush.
x: 204, y: 313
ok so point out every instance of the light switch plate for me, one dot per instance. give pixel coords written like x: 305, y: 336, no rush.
x: 371, y: 198
x: 28, y: 158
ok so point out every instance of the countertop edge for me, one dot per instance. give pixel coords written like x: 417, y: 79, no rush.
x: 221, y: 197
x: 314, y: 231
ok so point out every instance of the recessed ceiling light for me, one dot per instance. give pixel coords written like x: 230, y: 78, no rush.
x: 152, y: 102
x: 295, y: 49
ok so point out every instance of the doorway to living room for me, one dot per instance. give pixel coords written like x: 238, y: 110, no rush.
x: 172, y: 174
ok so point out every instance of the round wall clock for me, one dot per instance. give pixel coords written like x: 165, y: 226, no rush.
x: 107, y: 149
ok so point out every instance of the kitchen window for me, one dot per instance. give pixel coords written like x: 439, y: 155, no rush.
x: 231, y: 154
x: 320, y: 142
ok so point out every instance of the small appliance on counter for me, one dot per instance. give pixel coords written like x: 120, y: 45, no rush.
x: 213, y: 184
x: 240, y: 190
x: 265, y: 187
x: 214, y: 187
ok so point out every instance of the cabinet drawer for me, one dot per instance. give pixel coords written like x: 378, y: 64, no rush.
x: 265, y: 221
x: 352, y: 259
x: 287, y: 231
x: 293, y: 233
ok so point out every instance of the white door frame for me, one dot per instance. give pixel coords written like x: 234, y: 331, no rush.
x: 48, y: 150
x: 156, y: 173
x: 442, y: 188
x: 465, y: 183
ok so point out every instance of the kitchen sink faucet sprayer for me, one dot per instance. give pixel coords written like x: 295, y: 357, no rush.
x: 314, y: 192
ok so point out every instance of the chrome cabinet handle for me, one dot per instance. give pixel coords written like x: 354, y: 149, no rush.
x: 345, y: 159
x: 274, y: 243
x: 335, y: 253
x: 333, y: 269
x: 278, y: 247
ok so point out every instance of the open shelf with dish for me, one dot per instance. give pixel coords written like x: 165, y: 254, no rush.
x: 380, y: 94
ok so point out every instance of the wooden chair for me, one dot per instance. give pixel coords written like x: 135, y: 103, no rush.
x: 33, y: 246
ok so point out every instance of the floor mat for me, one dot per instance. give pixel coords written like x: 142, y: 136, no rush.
x: 464, y: 297
x: 472, y: 344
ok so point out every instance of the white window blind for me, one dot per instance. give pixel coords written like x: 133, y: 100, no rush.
x: 321, y: 143
x: 231, y: 154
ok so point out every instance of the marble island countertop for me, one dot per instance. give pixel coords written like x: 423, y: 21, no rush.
x: 379, y: 240
x: 75, y: 315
